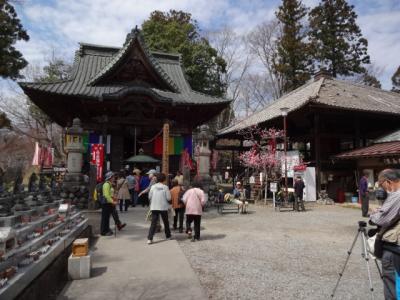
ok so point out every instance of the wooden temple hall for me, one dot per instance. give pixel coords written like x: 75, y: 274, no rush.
x: 326, y: 117
x: 128, y: 98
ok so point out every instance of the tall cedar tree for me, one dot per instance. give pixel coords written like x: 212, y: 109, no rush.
x: 293, y: 52
x: 396, y: 81
x: 177, y: 32
x: 11, y: 30
x: 336, y: 39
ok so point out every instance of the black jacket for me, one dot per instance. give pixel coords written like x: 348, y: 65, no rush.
x: 299, y: 187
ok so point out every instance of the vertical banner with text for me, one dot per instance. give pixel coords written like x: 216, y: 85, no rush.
x: 98, y: 160
x: 165, y: 154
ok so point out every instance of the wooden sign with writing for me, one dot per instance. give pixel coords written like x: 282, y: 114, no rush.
x: 165, y: 154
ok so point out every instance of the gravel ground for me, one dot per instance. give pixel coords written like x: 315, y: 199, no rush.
x: 280, y: 255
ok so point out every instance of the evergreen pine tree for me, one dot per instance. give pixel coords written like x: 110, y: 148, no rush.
x: 178, y: 32
x: 396, y: 81
x: 11, y: 30
x: 336, y: 39
x: 371, y: 80
x: 293, y: 52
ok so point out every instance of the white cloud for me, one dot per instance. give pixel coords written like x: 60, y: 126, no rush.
x: 60, y: 24
x: 382, y: 32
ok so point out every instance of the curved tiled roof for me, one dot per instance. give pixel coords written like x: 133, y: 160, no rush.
x: 293, y: 101
x: 94, y: 61
x: 117, y: 58
x: 329, y: 92
x: 376, y: 150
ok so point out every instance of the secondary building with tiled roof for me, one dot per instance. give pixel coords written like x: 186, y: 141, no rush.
x: 329, y: 92
x: 325, y: 117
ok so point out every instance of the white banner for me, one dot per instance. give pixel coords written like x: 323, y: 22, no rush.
x: 310, y: 183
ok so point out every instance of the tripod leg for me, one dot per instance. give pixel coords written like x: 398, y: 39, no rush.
x: 379, y: 269
x: 365, y: 255
x: 345, y: 264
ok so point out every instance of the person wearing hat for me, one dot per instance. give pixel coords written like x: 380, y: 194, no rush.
x: 145, y: 189
x: 107, y: 206
x: 133, y: 185
x: 239, y: 196
x: 123, y: 195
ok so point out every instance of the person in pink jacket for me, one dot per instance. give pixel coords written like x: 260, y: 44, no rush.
x: 194, y: 201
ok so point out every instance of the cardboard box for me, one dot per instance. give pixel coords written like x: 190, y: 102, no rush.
x: 80, y: 247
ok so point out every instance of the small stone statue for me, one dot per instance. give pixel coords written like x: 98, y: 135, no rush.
x: 21, y: 204
x: 42, y: 183
x: 32, y: 183
x: 18, y: 184
x: 5, y: 207
x: 1, y: 181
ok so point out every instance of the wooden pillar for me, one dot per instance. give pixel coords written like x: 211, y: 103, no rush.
x: 165, y: 154
x: 357, y: 136
x: 317, y: 152
x: 232, y: 167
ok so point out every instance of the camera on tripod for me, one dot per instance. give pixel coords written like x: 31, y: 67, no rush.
x: 365, y: 253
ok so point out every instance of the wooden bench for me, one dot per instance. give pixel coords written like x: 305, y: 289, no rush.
x: 227, y: 208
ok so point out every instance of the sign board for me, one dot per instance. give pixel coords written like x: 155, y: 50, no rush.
x: 252, y: 179
x: 273, y: 186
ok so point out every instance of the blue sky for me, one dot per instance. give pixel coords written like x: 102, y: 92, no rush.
x: 58, y: 25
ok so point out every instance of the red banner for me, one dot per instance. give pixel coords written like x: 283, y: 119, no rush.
x: 98, y: 160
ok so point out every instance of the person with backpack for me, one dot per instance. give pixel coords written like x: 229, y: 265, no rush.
x: 177, y: 204
x: 194, y: 201
x: 104, y: 193
x: 160, y: 198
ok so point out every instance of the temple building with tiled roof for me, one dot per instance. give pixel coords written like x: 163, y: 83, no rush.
x: 127, y: 93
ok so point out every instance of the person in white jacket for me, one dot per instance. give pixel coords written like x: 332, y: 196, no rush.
x: 160, y: 199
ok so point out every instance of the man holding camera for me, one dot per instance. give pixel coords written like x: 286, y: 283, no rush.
x: 387, y: 217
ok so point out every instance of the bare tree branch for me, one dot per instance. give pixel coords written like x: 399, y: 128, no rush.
x: 262, y: 43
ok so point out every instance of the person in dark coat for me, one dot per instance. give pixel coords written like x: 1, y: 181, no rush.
x: 363, y: 194
x: 298, y: 194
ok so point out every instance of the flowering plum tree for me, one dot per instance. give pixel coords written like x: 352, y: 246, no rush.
x: 262, y: 155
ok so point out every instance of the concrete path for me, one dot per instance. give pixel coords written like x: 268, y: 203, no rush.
x: 126, y: 267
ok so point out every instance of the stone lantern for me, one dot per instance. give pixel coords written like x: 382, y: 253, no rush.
x: 74, y: 147
x: 204, y: 156
x: 74, y: 187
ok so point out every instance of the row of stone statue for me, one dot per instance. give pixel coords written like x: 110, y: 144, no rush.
x: 36, y: 183
x: 24, y: 201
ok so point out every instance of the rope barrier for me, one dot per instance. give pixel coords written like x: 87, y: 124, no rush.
x: 152, y: 139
